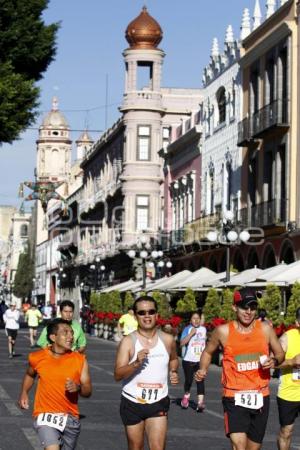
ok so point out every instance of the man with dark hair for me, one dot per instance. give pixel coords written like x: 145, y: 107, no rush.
x: 246, y: 344
x: 288, y: 397
x: 62, y: 376
x: 67, y: 311
x: 143, y: 361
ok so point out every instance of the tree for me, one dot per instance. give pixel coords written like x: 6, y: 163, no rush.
x: 128, y: 301
x: 227, y: 312
x: 272, y: 303
x: 163, y: 305
x: 23, y: 282
x: 188, y: 303
x: 114, y: 302
x: 27, y: 47
x: 294, y: 303
x: 212, y: 307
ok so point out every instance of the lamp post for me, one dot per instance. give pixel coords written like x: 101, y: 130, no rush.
x: 98, y: 270
x: 144, y: 251
x: 228, y: 234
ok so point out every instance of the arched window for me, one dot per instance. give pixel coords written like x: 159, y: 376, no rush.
x: 221, y: 99
x: 24, y: 231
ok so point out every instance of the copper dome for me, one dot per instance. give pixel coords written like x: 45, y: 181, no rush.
x: 144, y: 32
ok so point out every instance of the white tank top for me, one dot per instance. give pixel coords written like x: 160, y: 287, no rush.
x: 149, y: 383
x: 196, y: 345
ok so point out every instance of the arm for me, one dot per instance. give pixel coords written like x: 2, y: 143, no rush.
x: 275, y: 347
x: 211, y: 346
x: 27, y: 384
x: 42, y: 340
x: 81, y: 341
x: 123, y: 369
x: 119, y: 327
x: 85, y: 387
x: 288, y: 363
x: 186, y: 339
x: 173, y: 363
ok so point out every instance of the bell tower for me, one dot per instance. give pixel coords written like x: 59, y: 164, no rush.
x: 54, y: 146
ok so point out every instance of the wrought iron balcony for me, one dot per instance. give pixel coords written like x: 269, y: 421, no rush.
x: 273, y: 115
x: 265, y: 214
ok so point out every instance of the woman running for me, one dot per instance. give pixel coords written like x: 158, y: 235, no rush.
x: 193, y: 340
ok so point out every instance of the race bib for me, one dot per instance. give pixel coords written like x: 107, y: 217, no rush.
x: 251, y: 400
x: 197, y: 348
x: 149, y: 392
x: 57, y: 421
x: 296, y: 375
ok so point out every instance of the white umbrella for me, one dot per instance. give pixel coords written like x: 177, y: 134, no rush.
x: 242, y: 278
x: 169, y: 282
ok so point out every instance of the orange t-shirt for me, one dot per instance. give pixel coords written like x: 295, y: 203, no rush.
x: 51, y: 395
x: 241, y: 365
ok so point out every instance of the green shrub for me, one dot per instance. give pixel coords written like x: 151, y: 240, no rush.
x: 271, y: 301
x: 187, y: 303
x: 114, y: 302
x: 163, y: 305
x: 128, y: 301
x: 227, y: 312
x: 212, y: 307
x: 294, y: 303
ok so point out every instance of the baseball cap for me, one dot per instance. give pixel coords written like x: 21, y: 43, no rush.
x: 244, y: 298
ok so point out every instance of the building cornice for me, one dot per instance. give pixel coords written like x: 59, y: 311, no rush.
x: 187, y: 138
x: 265, y: 45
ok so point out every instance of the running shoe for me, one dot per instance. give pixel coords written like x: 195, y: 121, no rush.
x: 185, y: 401
x: 10, y: 356
x: 200, y: 407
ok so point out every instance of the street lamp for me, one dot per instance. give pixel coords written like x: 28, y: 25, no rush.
x: 227, y: 235
x: 145, y: 253
x: 98, y: 270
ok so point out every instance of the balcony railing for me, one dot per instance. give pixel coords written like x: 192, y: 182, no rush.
x: 273, y: 115
x: 265, y: 214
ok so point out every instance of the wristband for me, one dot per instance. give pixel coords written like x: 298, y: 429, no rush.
x: 135, y: 364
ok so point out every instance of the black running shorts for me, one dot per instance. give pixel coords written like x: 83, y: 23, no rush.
x: 253, y: 422
x: 133, y: 413
x: 288, y: 411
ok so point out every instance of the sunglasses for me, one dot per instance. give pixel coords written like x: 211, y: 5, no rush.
x: 144, y: 312
x: 252, y: 307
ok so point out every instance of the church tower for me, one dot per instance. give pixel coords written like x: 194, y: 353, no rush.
x: 54, y: 149
x: 142, y: 110
x: 54, y: 146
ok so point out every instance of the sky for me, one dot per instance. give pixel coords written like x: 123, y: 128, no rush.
x: 89, y: 66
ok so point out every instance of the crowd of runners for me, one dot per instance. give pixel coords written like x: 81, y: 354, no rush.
x: 146, y: 363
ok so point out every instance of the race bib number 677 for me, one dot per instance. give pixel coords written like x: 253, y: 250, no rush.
x: 57, y: 421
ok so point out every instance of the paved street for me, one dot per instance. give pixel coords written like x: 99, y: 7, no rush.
x: 101, y: 425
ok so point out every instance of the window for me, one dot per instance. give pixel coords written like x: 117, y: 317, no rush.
x: 143, y: 144
x: 221, y: 99
x: 166, y: 137
x: 24, y: 231
x: 142, y: 212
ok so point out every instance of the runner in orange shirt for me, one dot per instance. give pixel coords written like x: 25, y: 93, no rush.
x: 63, y: 375
x: 246, y: 344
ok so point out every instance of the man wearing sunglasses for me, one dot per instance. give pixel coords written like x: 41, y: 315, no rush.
x: 246, y: 344
x: 145, y: 360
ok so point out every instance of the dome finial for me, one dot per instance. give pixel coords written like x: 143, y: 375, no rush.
x: 215, y: 48
x: 229, y: 37
x: 144, y: 32
x: 54, y: 104
x: 270, y: 6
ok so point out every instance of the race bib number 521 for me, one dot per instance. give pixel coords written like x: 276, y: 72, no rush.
x: 57, y: 421
x: 251, y: 400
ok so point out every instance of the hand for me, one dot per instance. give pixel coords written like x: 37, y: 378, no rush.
x: 296, y: 361
x: 192, y: 332
x: 269, y: 363
x: 71, y: 386
x: 174, y: 377
x: 142, y: 355
x: 23, y: 401
x: 200, y: 375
